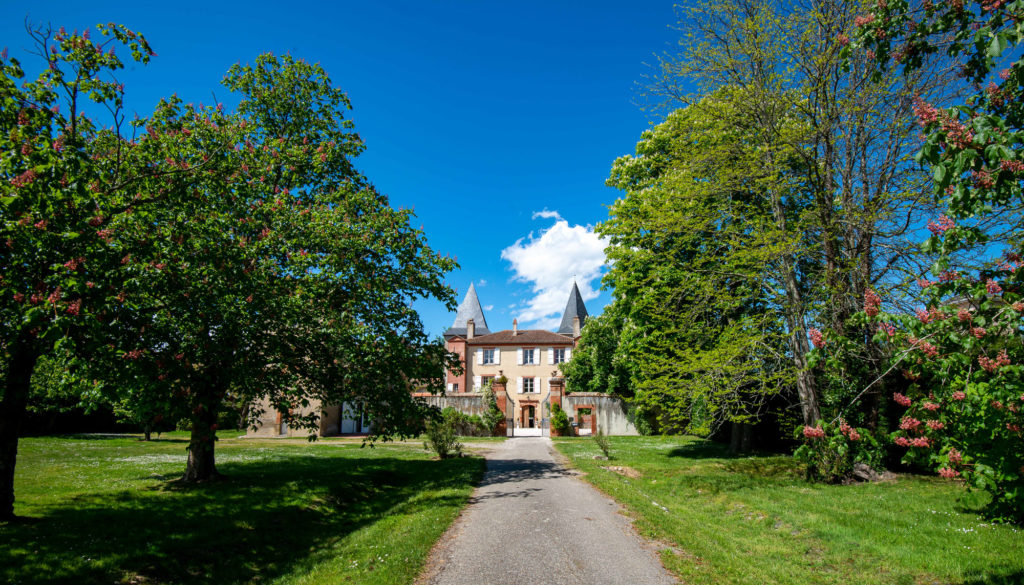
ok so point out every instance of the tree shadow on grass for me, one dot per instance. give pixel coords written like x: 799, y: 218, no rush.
x: 264, y: 520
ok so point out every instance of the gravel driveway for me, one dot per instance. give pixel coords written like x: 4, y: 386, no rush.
x: 532, y: 521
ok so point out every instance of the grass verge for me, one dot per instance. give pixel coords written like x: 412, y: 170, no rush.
x: 753, y: 520
x: 101, y: 509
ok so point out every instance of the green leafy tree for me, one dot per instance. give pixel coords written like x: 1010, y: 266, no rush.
x: 842, y: 137
x: 54, y: 200
x: 263, y: 267
x: 695, y: 250
x: 961, y: 352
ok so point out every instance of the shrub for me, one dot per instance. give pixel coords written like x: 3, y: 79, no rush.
x: 560, y: 420
x: 830, y: 451
x: 441, y: 437
x: 493, y: 416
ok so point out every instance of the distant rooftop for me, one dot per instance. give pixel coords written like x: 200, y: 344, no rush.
x: 574, y: 308
x: 469, y: 309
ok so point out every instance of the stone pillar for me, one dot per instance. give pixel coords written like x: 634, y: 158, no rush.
x: 557, y: 386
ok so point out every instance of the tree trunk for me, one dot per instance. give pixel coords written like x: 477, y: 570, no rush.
x: 146, y: 432
x: 795, y: 319
x: 12, y: 410
x: 201, y: 464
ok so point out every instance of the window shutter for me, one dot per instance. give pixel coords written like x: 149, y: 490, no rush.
x: 568, y: 354
x: 480, y: 356
x: 449, y: 386
x: 476, y: 383
x: 497, y: 356
x: 519, y: 357
x: 536, y: 385
x: 551, y: 356
x: 519, y: 384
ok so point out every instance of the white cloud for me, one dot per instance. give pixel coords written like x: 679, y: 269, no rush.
x: 549, y: 262
x: 546, y: 214
x: 488, y: 307
x: 483, y: 282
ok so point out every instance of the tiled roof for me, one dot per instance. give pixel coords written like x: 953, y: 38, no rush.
x: 524, y: 337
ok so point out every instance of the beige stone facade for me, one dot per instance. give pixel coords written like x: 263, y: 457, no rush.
x: 528, y: 359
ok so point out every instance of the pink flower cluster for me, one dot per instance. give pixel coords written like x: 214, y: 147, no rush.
x: 955, y: 457
x: 24, y: 179
x: 814, y: 432
x: 924, y: 282
x: 949, y: 275
x: 978, y: 332
x: 901, y: 399
x: 925, y: 112
x: 948, y: 473
x: 990, y: 365
x: 982, y: 179
x: 958, y: 396
x: 850, y: 432
x: 816, y: 337
x: 931, y: 315
x: 133, y: 354
x: 957, y: 134
x: 909, y: 423
x: 75, y: 307
x: 963, y: 315
x: 871, y: 303
x: 930, y: 406
x: 928, y: 349
x: 74, y: 263
x: 992, y: 287
x: 935, y: 425
x: 916, y: 442
x: 889, y: 329
x: 942, y: 226
x: 1013, y: 166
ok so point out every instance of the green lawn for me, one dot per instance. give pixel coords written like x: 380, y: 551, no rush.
x: 107, y: 510
x: 752, y: 520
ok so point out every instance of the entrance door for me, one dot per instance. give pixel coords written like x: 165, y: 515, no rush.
x: 530, y: 417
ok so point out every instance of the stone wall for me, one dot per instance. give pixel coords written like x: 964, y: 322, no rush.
x: 466, y: 402
x: 609, y: 411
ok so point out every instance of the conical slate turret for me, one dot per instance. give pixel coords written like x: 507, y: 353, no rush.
x: 574, y: 308
x: 469, y: 309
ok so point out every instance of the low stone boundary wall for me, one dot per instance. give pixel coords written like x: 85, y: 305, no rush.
x: 609, y: 410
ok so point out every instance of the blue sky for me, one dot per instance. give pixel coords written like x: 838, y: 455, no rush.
x: 497, y: 123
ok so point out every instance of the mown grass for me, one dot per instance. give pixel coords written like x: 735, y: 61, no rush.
x: 108, y: 510
x: 753, y: 520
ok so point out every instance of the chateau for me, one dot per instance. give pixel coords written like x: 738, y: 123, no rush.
x: 529, y: 358
x: 523, y: 364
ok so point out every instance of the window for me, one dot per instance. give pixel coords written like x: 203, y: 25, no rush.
x: 489, y: 356
x: 455, y: 387
x: 528, y: 356
x: 559, y: 355
x: 528, y: 384
x: 485, y: 380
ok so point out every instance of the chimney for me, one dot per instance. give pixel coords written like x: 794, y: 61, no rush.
x: 470, y: 329
x: 515, y: 327
x: 575, y: 326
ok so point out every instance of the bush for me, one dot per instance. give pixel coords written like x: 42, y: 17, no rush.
x: 494, y: 416
x: 830, y: 451
x: 560, y: 420
x: 441, y: 437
